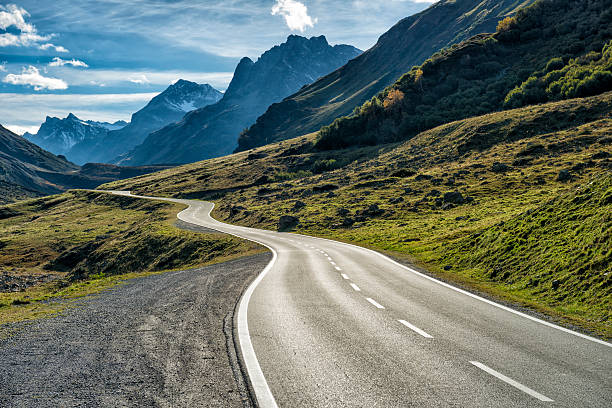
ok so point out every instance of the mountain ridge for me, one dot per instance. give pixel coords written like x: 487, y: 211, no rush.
x: 167, y: 107
x: 71, y: 136
x: 27, y: 170
x: 407, y: 43
x: 213, y: 130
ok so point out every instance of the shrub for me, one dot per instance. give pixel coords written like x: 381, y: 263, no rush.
x: 506, y: 24
x: 555, y: 64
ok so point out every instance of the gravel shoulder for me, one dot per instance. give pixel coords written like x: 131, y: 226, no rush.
x: 163, y: 340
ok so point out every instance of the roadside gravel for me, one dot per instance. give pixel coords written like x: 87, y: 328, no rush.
x: 163, y: 340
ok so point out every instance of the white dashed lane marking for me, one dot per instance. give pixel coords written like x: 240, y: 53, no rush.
x: 416, y: 329
x: 510, y: 381
x: 375, y: 303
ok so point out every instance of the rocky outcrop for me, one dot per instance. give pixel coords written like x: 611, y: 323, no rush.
x: 214, y: 130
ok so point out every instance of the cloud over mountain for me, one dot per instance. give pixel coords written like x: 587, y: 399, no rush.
x: 31, y: 76
x: 295, y: 14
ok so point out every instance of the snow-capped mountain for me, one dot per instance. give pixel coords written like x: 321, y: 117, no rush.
x: 71, y: 135
x: 213, y: 131
x: 168, y: 107
x: 86, y: 141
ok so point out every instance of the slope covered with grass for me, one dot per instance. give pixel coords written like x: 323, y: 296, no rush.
x: 558, y: 253
x: 77, y: 242
x: 473, y: 77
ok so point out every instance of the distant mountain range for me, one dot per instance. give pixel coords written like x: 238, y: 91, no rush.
x: 213, y: 130
x: 88, y: 141
x: 71, y: 136
x: 168, y: 107
x: 26, y: 170
x: 408, y: 43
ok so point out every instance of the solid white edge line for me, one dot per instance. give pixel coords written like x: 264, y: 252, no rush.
x: 263, y: 395
x: 355, y: 287
x: 465, y: 292
x: 260, y: 386
x: 512, y: 382
x: 416, y: 329
x: 375, y: 303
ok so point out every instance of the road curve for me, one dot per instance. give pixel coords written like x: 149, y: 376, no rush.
x: 328, y: 324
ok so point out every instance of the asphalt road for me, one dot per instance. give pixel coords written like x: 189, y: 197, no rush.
x: 329, y: 324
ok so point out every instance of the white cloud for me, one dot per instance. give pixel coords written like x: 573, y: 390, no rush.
x: 31, y: 76
x: 58, y: 62
x: 20, y: 130
x: 2, y: 67
x: 139, y: 79
x: 57, y: 48
x: 96, y: 83
x: 12, y: 15
x: 295, y: 14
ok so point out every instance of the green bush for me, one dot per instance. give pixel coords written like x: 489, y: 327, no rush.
x: 555, y: 64
x: 586, y: 75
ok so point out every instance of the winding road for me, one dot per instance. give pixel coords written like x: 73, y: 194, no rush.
x: 329, y: 324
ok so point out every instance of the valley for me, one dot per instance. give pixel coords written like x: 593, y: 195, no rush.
x: 424, y: 223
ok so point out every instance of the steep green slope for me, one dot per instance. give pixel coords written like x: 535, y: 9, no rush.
x: 558, y: 253
x: 587, y: 75
x: 408, y: 43
x: 474, y: 77
x: 426, y: 200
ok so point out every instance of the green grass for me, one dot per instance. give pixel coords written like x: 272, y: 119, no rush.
x: 89, y: 241
x: 534, y: 143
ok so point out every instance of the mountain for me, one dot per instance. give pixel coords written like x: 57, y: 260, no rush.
x: 168, y: 107
x: 71, y: 136
x: 551, y: 50
x: 24, y: 164
x: 27, y: 170
x: 408, y: 43
x: 213, y: 130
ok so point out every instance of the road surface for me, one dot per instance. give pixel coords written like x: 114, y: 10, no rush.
x: 329, y: 324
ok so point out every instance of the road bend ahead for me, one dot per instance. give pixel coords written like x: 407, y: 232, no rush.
x: 329, y: 324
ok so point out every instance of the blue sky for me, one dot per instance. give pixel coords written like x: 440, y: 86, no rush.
x: 104, y: 59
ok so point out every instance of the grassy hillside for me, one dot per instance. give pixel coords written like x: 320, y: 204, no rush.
x: 78, y: 242
x: 426, y: 199
x: 557, y: 253
x: 408, y: 43
x: 475, y: 76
